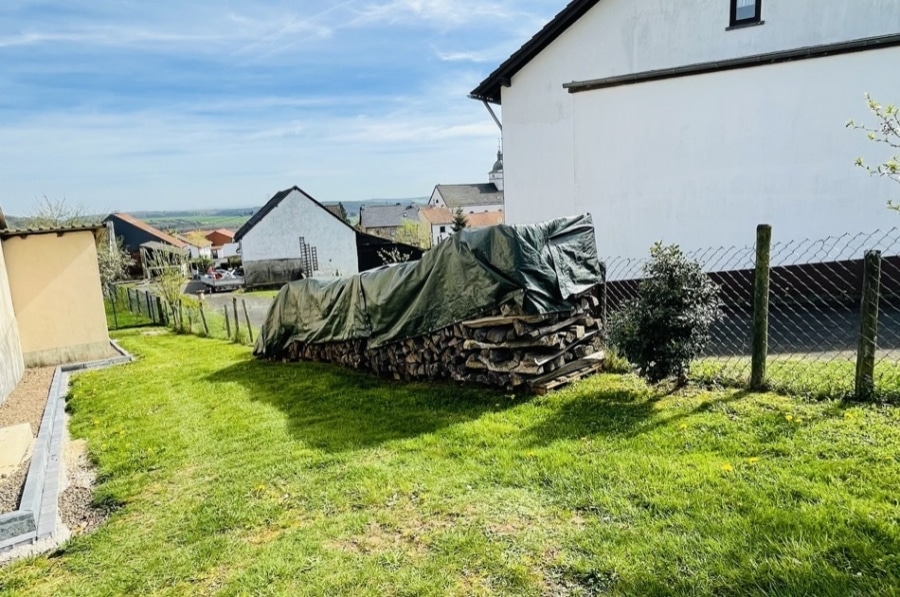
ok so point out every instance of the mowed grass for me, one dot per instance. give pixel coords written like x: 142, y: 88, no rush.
x: 814, y: 376
x: 239, y: 477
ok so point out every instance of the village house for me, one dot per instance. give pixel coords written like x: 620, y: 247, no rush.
x: 692, y: 122
x: 223, y: 245
x: 385, y: 220
x: 294, y: 236
x: 472, y: 198
x: 439, y: 221
x: 142, y: 241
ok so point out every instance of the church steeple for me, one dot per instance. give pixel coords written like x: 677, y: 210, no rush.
x: 496, y: 173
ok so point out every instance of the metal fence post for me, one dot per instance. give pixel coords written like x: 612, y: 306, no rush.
x: 868, y: 325
x: 603, y: 294
x: 760, y: 331
x: 237, y: 324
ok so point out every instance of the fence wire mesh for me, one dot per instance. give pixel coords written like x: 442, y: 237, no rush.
x: 814, y: 312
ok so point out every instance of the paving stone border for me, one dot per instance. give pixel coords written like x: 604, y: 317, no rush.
x: 36, y: 517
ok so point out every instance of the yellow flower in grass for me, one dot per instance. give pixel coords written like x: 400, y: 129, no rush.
x: 683, y: 426
x: 788, y: 418
x: 753, y: 459
x: 727, y: 468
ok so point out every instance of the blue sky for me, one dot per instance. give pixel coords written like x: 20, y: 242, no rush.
x: 129, y: 105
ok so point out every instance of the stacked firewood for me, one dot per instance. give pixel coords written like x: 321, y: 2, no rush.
x: 504, y: 348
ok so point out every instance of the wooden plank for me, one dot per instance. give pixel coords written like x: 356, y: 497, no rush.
x: 504, y: 320
x: 595, y: 359
x: 542, y: 389
x: 552, y: 341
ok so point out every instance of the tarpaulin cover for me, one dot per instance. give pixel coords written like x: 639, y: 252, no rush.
x: 540, y: 267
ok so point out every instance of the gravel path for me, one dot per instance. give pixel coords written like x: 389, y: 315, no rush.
x: 24, y: 405
x: 75, y: 508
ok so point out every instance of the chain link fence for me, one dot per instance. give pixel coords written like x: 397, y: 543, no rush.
x: 815, y: 296
x: 129, y: 307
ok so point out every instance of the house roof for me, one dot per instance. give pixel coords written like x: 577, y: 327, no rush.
x: 222, y: 231
x: 272, y: 203
x: 387, y: 216
x: 162, y: 236
x: 467, y: 195
x: 58, y: 230
x: 436, y: 215
x: 200, y: 242
x: 489, y: 89
x: 484, y: 219
x: 334, y: 208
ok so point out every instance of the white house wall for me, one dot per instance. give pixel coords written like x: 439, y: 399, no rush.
x: 647, y: 159
x: 12, y: 365
x: 277, y: 237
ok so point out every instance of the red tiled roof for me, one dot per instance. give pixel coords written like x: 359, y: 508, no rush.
x: 436, y: 215
x: 485, y: 218
x: 164, y: 237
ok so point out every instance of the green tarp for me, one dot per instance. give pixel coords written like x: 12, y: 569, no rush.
x: 540, y: 267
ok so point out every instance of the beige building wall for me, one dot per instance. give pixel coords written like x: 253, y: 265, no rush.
x: 55, y: 286
x: 11, y: 364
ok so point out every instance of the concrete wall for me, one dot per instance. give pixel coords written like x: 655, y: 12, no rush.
x: 55, y: 286
x: 276, y: 238
x: 735, y: 147
x: 11, y: 363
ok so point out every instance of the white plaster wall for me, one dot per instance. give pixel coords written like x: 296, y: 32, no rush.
x: 11, y: 364
x: 277, y: 236
x: 652, y: 158
x: 700, y: 161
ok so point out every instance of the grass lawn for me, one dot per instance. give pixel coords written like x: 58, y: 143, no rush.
x: 121, y: 317
x: 815, y: 376
x: 240, y: 477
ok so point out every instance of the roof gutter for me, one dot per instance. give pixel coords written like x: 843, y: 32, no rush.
x: 701, y: 68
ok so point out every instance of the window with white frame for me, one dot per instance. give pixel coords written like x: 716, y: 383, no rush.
x: 746, y: 12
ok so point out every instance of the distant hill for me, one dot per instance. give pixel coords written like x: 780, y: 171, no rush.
x: 231, y: 218
x: 209, y: 219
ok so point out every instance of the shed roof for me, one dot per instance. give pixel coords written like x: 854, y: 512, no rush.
x: 272, y: 203
x: 387, y: 216
x: 467, y: 195
x: 484, y: 219
x: 162, y: 236
x: 489, y: 89
x: 58, y: 230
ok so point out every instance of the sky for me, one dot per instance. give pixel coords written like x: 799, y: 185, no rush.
x: 127, y: 105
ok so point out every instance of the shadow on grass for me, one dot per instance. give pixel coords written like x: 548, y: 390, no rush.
x: 336, y: 409
x: 625, y: 412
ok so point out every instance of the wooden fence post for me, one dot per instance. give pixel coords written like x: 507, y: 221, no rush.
x: 160, y: 311
x: 113, y: 295
x: 760, y: 331
x: 203, y: 319
x: 149, y: 307
x: 247, y: 319
x: 237, y: 325
x: 227, y: 323
x: 868, y: 325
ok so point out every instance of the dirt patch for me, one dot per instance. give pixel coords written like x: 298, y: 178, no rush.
x: 75, y: 507
x: 24, y: 405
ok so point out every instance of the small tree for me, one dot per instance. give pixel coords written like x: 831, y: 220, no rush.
x: 887, y: 132
x: 411, y: 232
x: 113, y: 260
x: 53, y: 213
x: 392, y: 255
x: 459, y: 220
x: 668, y: 325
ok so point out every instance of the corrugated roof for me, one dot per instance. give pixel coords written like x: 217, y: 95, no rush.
x: 273, y: 203
x: 436, y: 215
x: 387, y: 216
x: 5, y: 233
x: 489, y: 89
x: 162, y: 236
x: 468, y: 195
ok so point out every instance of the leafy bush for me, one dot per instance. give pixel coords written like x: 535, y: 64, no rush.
x: 668, y: 325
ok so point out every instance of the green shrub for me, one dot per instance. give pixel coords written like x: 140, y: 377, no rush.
x: 668, y: 325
